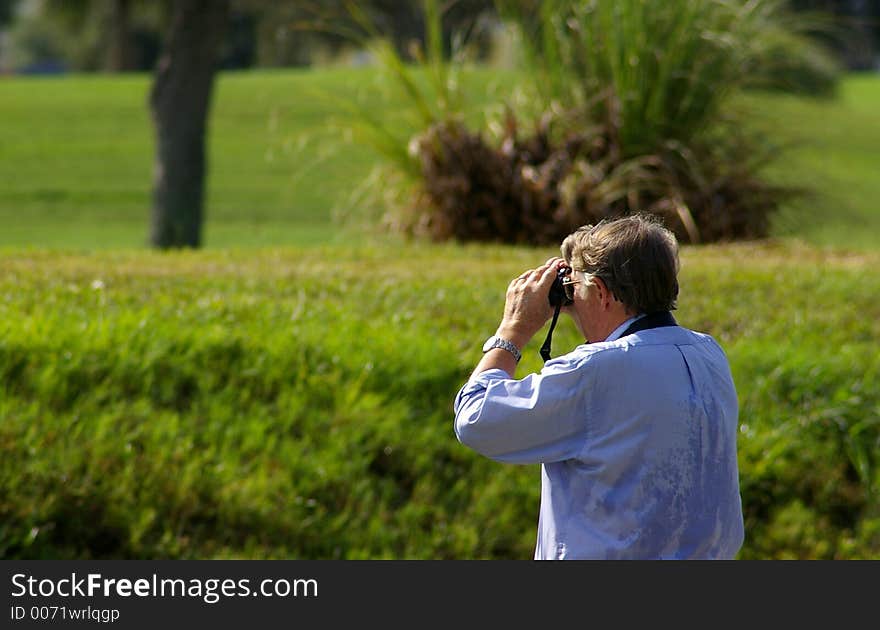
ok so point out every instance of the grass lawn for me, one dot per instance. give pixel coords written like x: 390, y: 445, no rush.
x: 236, y: 403
x: 836, y: 153
x: 77, y: 159
x: 77, y: 155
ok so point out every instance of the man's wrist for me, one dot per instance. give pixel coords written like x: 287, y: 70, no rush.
x: 495, y: 341
x: 513, y: 336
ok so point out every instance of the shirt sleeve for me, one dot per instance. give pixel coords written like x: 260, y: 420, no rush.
x: 541, y: 418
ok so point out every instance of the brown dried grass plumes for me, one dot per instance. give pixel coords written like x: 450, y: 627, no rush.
x: 536, y: 189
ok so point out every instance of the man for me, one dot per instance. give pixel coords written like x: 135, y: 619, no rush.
x: 636, y: 429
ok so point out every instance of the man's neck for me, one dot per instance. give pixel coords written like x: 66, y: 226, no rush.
x: 614, y: 321
x: 618, y: 332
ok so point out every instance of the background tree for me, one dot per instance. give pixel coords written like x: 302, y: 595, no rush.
x: 854, y: 31
x: 88, y: 35
x: 179, y: 103
x: 120, y: 55
x: 7, y: 10
x: 300, y: 33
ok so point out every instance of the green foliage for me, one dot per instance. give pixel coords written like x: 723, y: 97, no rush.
x: 79, y: 151
x: 33, y: 41
x: 432, y: 96
x: 791, y: 63
x: 656, y: 82
x: 627, y: 108
x: 282, y: 404
x: 77, y: 34
x: 426, y: 88
x: 660, y: 73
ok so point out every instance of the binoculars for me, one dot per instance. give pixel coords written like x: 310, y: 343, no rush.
x: 558, y: 295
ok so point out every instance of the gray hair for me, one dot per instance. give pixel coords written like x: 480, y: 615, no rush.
x: 635, y: 256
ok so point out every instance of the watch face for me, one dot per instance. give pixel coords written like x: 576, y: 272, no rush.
x: 488, y: 345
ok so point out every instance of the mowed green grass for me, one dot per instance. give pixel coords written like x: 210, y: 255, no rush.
x: 77, y: 151
x: 77, y: 157
x: 834, y: 150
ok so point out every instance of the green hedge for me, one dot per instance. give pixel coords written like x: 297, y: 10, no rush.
x: 298, y: 404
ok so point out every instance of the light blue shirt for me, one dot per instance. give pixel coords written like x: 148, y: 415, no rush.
x: 637, y: 441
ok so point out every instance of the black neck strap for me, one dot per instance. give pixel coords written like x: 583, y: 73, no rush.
x: 659, y: 319
x: 545, y: 349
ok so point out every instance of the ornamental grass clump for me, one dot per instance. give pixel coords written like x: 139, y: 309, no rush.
x: 655, y: 83
x: 528, y: 188
x: 625, y: 106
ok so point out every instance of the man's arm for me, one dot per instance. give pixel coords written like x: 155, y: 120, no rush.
x: 540, y: 418
x: 496, y: 415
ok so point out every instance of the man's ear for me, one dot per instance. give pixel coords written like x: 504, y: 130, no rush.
x: 604, y: 294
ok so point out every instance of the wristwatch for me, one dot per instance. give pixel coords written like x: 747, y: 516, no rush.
x: 500, y: 342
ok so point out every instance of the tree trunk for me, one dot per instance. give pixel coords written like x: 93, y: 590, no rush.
x: 179, y: 103
x: 862, y: 58
x: 119, y: 51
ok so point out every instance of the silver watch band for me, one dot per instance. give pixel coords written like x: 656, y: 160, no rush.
x: 500, y: 342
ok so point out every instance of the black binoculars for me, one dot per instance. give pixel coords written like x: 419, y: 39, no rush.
x: 558, y: 295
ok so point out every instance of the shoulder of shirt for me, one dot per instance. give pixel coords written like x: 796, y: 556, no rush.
x: 671, y: 335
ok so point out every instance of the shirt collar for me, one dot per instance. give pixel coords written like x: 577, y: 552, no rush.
x: 619, y: 330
